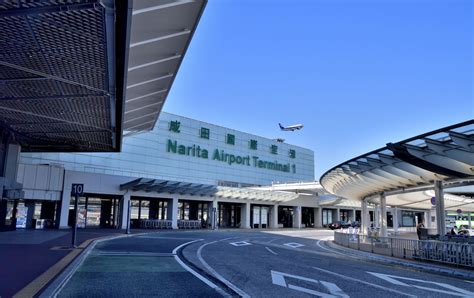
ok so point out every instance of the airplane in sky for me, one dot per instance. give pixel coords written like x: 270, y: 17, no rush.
x: 291, y: 127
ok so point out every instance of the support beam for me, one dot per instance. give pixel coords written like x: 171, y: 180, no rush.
x: 174, y: 218
x: 395, y: 219
x: 383, y: 211
x: 318, y: 217
x: 274, y: 217
x: 440, y: 213
x: 365, y: 218
x: 245, y: 216
x: 124, y: 210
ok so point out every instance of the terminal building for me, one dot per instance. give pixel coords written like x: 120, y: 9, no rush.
x: 183, y: 173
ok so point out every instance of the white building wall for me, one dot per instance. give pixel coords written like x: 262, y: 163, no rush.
x: 146, y: 155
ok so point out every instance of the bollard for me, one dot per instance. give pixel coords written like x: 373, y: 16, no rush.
x: 372, y: 244
x: 358, y: 242
x: 404, y: 253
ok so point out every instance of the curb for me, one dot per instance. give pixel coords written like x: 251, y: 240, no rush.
x: 436, y: 269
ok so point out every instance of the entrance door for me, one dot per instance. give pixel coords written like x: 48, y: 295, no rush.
x: 285, y: 216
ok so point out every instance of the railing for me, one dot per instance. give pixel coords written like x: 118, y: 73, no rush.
x: 454, y: 253
x: 155, y: 224
x: 189, y: 224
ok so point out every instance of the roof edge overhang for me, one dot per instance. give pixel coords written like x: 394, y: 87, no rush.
x: 399, y: 151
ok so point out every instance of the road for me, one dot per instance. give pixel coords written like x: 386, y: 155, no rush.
x: 245, y: 263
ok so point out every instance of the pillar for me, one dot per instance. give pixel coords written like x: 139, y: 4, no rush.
x: 213, y: 214
x: 365, y: 218
x: 383, y: 219
x: 395, y: 219
x: 3, y: 212
x: 245, y: 216
x: 297, y: 218
x: 274, y: 217
x: 376, y: 216
x: 124, y: 210
x: 318, y: 217
x: 469, y: 220
x: 440, y: 214
x: 65, y: 202
x: 30, y: 213
x: 338, y: 215
x: 174, y: 212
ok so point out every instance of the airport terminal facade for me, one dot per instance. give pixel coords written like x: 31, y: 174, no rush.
x: 183, y: 173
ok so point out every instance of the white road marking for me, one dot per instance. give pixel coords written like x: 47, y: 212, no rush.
x: 363, y: 282
x: 294, y: 244
x: 240, y: 243
x: 271, y: 251
x: 215, y: 273
x: 190, y: 270
x: 330, y: 250
x: 278, y: 278
x: 449, y: 289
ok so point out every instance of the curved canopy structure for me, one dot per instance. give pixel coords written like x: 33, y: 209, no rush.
x: 445, y: 154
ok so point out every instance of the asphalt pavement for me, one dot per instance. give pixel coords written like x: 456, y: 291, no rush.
x: 245, y: 263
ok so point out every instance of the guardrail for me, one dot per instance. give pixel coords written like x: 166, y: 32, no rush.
x: 454, y: 253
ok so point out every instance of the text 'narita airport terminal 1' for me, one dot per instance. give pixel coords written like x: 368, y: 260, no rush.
x: 220, y: 155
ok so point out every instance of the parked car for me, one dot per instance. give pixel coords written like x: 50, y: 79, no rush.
x: 339, y: 225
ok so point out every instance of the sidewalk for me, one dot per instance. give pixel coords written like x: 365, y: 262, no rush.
x: 426, y: 267
x: 26, y: 254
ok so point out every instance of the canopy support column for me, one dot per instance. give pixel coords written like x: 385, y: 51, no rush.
x: 440, y: 214
x: 365, y: 217
x: 383, y: 211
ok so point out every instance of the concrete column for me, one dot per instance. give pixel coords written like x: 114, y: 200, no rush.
x: 353, y: 217
x: 365, y: 218
x: 124, y: 210
x: 11, y: 161
x: 213, y: 212
x: 318, y: 217
x: 383, y: 211
x: 440, y: 212
x: 395, y: 219
x: 30, y: 213
x: 297, y: 218
x: 274, y: 217
x: 338, y: 215
x: 174, y: 218
x: 377, y: 216
x: 469, y: 220
x: 65, y: 202
x: 245, y: 216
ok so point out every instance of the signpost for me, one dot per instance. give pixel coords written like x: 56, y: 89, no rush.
x: 76, y: 190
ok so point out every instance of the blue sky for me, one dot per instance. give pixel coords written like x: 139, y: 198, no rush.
x: 357, y: 74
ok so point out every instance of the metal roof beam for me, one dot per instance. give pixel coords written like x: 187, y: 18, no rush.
x: 25, y: 11
x: 463, y: 140
x: 130, y: 184
x: 162, y: 6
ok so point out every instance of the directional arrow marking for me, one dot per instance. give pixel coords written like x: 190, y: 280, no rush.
x: 278, y: 278
x: 455, y: 291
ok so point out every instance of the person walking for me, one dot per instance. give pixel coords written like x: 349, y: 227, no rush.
x: 418, y: 229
